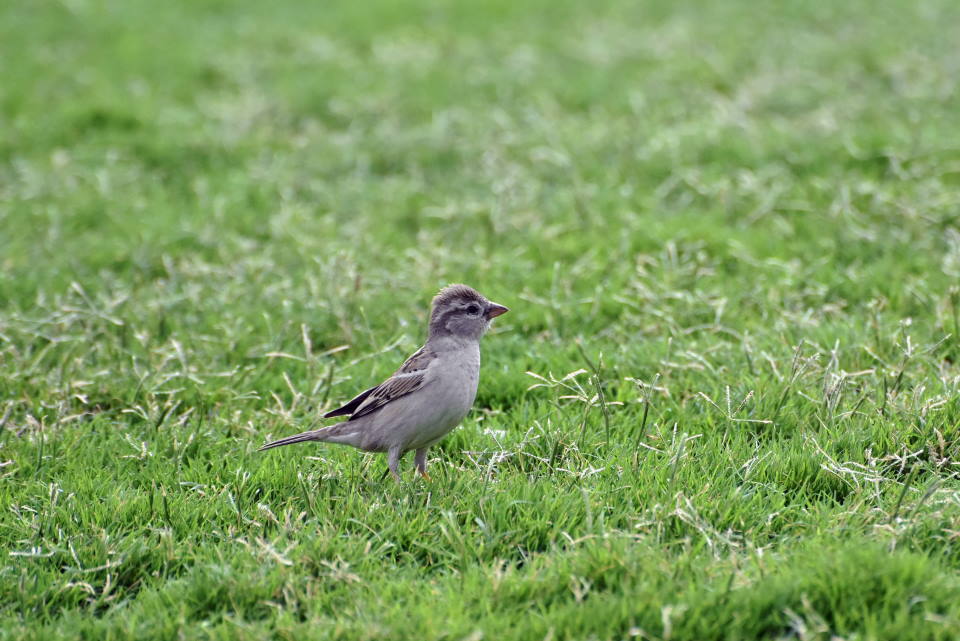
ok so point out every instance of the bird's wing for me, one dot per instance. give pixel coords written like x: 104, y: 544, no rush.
x: 350, y: 407
x: 409, y: 378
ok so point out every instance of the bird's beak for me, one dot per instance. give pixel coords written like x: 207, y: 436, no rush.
x: 494, y: 310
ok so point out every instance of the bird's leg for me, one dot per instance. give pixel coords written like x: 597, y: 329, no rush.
x: 393, y: 462
x: 420, y: 460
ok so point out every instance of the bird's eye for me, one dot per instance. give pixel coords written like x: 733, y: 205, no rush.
x: 473, y: 310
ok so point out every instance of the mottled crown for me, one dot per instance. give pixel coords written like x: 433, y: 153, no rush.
x: 457, y: 293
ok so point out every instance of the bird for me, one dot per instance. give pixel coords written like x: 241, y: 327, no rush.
x: 427, y: 397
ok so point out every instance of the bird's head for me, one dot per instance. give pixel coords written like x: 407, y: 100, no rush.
x: 459, y: 311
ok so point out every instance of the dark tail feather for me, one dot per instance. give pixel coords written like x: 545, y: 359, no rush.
x: 296, y: 438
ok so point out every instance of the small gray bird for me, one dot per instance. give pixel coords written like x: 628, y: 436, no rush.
x: 428, y: 396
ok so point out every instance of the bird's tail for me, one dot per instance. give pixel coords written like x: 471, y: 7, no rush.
x: 303, y: 437
x: 345, y: 433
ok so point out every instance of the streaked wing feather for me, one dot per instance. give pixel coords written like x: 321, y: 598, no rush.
x: 409, y: 378
x: 350, y: 407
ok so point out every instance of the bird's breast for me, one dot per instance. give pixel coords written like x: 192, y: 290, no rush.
x: 457, y: 378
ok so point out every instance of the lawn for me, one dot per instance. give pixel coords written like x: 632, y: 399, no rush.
x: 725, y: 404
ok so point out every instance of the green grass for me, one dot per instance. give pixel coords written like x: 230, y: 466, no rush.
x: 739, y: 222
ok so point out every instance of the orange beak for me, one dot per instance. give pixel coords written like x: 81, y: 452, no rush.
x: 494, y: 310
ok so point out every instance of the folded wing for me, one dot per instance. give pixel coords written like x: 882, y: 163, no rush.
x: 409, y: 378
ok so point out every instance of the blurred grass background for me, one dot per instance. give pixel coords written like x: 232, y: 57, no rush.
x: 218, y: 219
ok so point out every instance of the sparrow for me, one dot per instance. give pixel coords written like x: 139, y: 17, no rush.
x: 428, y: 396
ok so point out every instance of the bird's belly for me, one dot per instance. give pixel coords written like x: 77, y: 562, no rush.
x: 440, y: 419
x: 410, y: 423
